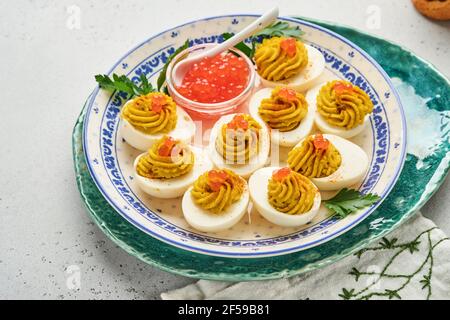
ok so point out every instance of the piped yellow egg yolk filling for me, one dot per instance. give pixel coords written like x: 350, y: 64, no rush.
x: 238, y: 140
x: 290, y: 192
x: 280, y: 58
x: 284, y: 110
x: 342, y: 104
x: 216, y: 190
x: 151, y: 113
x: 316, y: 157
x: 166, y: 159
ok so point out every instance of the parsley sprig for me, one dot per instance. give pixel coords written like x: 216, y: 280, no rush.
x: 162, y: 75
x: 276, y: 29
x: 348, y: 201
x: 248, y: 51
x: 124, y: 84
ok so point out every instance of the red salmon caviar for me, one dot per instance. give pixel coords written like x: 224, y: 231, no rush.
x: 215, y: 79
x: 238, y: 122
x: 216, y: 178
x: 157, y: 103
x: 342, y: 87
x: 320, y: 143
x: 288, y: 94
x: 280, y: 174
x: 166, y: 147
x: 289, y: 46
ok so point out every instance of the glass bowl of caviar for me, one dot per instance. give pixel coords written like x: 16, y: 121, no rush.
x: 215, y: 85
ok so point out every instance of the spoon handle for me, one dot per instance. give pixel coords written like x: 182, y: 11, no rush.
x: 252, y: 28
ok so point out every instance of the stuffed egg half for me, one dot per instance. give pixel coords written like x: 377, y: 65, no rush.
x: 284, y: 197
x: 288, y: 62
x: 217, y: 201
x: 331, y: 162
x: 342, y: 109
x: 169, y: 168
x: 146, y: 119
x: 286, y: 112
x: 239, y: 143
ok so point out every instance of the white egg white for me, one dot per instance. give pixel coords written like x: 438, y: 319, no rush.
x: 254, y: 163
x: 207, y: 221
x: 327, y: 195
x: 184, y: 131
x: 323, y: 125
x: 258, y: 185
x: 305, y: 79
x: 288, y: 138
x: 354, y: 164
x: 175, y: 187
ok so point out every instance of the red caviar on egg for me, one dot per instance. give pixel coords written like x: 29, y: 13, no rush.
x: 217, y: 178
x: 166, y: 147
x: 288, y: 94
x: 217, y: 79
x: 289, y: 46
x: 280, y: 174
x: 158, y: 102
x: 238, y: 122
x: 320, y: 143
x: 342, y: 87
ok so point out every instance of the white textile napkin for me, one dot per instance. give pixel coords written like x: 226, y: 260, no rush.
x: 412, y: 262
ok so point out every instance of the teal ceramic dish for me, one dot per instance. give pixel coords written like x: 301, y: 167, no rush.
x: 425, y: 168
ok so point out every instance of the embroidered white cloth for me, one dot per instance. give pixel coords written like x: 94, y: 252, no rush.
x: 412, y: 262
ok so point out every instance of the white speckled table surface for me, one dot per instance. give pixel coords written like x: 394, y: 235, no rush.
x: 47, y: 72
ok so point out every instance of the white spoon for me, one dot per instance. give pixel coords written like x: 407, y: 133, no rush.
x: 181, y: 68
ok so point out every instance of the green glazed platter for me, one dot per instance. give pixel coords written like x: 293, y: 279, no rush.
x: 424, y: 94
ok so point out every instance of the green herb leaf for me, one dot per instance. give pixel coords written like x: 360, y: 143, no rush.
x: 162, y: 75
x: 107, y: 83
x: 124, y: 84
x: 280, y: 29
x: 240, y: 46
x: 348, y: 201
x: 146, y: 87
x: 252, y: 53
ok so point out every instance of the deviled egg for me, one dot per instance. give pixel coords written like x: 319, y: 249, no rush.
x: 169, y: 168
x: 284, y: 197
x: 239, y: 143
x: 331, y: 162
x: 288, y: 62
x: 217, y: 201
x: 286, y: 112
x: 343, y: 109
x: 147, y: 118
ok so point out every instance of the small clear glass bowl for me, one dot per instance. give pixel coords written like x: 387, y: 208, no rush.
x: 210, y: 110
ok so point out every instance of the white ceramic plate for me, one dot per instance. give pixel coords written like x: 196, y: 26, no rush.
x: 110, y: 159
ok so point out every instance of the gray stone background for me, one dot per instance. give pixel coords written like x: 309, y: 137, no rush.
x: 46, y: 74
